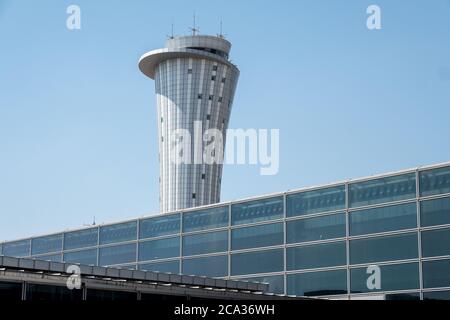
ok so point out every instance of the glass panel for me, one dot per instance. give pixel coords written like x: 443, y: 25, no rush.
x: 392, y: 277
x: 318, y: 228
x: 10, y: 291
x: 1, y: 248
x: 205, y: 243
x: 160, y: 226
x: 81, y: 239
x: 436, y: 243
x: 118, y: 232
x: 389, y: 248
x: 382, y: 190
x: 159, y: 249
x: 167, y: 267
x: 51, y: 257
x: 257, y: 262
x: 117, y: 254
x: 40, y: 292
x: 205, y: 219
x: 46, y: 244
x: 436, y: 295
x: 317, y: 256
x: 435, y: 181
x: 17, y: 249
x: 259, y: 236
x: 88, y: 257
x: 435, y: 212
x: 254, y: 211
x: 106, y: 295
x: 315, y: 201
x: 216, y: 266
x: 276, y: 283
x: 436, y: 274
x: 317, y: 283
x: 383, y: 219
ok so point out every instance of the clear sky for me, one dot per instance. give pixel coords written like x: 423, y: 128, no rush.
x: 78, y: 119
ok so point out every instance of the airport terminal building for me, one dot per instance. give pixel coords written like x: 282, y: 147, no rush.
x: 319, y: 242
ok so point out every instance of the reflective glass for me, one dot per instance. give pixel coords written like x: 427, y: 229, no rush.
x: 315, y: 201
x: 167, y: 267
x: 317, y: 228
x: 46, y: 244
x: 436, y: 181
x: 435, y: 212
x: 160, y: 226
x: 117, y: 254
x: 205, y: 243
x: 205, y: 219
x: 87, y: 257
x: 384, y: 219
x: 317, y: 283
x: 51, y: 257
x: 436, y: 295
x: 317, y: 256
x: 216, y: 266
x: 159, y: 249
x: 436, y: 243
x: 81, y: 239
x: 17, y: 248
x: 388, y: 248
x: 259, y: 210
x: 257, y: 262
x: 276, y: 283
x: 258, y: 236
x: 382, y: 190
x: 118, y: 232
x: 392, y: 278
x: 436, y: 274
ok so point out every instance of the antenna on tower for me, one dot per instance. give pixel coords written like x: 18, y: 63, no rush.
x: 171, y: 36
x: 194, y: 29
x: 221, y: 35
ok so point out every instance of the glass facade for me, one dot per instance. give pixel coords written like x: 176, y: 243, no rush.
x: 382, y: 190
x: 316, y: 256
x: 389, y: 218
x: 254, y: 211
x: 435, y: 212
x: 47, y: 244
x: 205, y: 219
x: 392, y: 278
x: 317, y: 242
x: 167, y: 267
x: 317, y: 228
x: 159, y: 226
x: 215, y: 266
x: 81, y: 239
x: 88, y: 257
x: 159, y: 249
x: 386, y: 248
x: 258, y: 236
x: 205, y: 243
x: 321, y: 200
x: 118, y: 232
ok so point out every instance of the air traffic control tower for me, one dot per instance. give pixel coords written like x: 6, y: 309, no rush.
x: 195, y: 84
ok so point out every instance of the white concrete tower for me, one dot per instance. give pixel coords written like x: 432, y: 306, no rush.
x: 195, y: 84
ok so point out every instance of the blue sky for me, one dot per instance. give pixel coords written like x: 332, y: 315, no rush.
x: 78, y: 119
